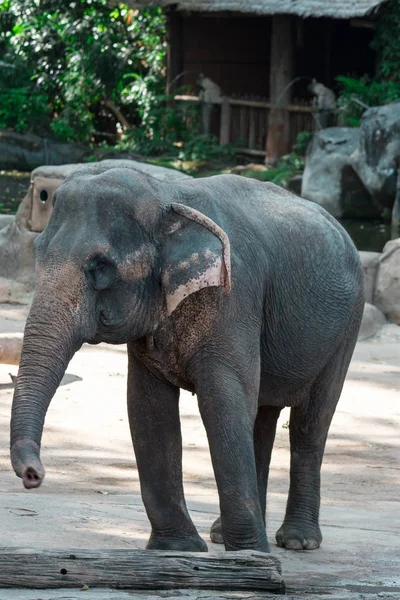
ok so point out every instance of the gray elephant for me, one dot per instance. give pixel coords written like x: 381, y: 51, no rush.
x: 228, y: 287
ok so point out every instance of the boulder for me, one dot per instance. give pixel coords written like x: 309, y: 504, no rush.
x: 6, y: 220
x: 16, y: 239
x: 372, y: 321
x: 387, y: 290
x: 377, y: 157
x: 25, y: 152
x: 329, y: 179
x: 370, y: 264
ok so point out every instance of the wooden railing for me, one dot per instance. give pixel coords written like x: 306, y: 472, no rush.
x: 245, y: 121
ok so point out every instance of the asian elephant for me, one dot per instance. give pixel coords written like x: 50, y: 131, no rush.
x: 228, y: 287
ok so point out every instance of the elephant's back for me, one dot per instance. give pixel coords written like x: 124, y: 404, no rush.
x: 299, y: 261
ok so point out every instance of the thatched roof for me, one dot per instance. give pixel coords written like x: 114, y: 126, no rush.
x: 339, y: 9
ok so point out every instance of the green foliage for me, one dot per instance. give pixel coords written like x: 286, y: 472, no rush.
x: 386, y: 42
x: 82, y: 59
x: 287, y: 167
x: 203, y: 147
x: 358, y: 94
x: 165, y: 124
x: 23, y: 108
x: 302, y: 141
x: 170, y: 128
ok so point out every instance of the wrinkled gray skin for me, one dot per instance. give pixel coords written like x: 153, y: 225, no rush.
x: 127, y: 258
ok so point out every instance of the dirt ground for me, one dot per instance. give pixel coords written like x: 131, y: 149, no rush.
x: 91, y: 497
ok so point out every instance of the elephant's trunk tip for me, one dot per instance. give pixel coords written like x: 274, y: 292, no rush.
x: 31, y: 478
x: 26, y: 463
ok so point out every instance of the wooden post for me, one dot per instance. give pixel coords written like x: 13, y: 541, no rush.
x: 225, y: 128
x: 174, y: 49
x: 281, y: 59
x: 140, y: 570
x: 252, y: 129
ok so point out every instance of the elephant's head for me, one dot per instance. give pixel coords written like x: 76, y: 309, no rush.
x: 119, y: 254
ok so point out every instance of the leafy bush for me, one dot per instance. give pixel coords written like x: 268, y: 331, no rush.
x: 386, y: 42
x: 77, y: 61
x: 358, y: 94
x: 23, y: 109
x: 302, y: 141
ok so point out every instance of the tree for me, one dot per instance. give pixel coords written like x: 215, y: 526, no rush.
x: 70, y: 66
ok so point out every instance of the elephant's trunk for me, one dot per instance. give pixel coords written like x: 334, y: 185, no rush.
x: 50, y: 341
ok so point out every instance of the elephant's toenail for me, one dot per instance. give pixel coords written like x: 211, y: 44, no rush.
x: 311, y: 545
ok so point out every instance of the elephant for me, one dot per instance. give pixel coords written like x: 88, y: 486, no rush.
x: 228, y: 287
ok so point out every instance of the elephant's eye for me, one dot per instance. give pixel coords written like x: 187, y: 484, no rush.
x: 100, y: 273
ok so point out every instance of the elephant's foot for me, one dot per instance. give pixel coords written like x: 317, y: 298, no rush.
x: 216, y: 535
x: 184, y: 544
x: 299, y: 537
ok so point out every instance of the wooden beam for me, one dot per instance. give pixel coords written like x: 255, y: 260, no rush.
x: 140, y: 570
x: 174, y: 49
x: 281, y: 59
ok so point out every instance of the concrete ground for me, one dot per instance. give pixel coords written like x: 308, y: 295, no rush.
x: 91, y: 498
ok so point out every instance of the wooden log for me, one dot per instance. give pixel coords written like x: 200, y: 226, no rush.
x: 140, y: 570
x: 10, y: 348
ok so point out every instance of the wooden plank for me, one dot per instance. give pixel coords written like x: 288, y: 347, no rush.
x: 252, y: 129
x: 251, y: 152
x: 243, y: 124
x: 250, y: 103
x: 186, y: 98
x: 140, y: 569
x: 225, y: 127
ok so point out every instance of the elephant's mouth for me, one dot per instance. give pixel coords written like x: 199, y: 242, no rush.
x: 110, y: 331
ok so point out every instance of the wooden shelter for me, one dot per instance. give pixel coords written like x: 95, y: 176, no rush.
x: 263, y: 54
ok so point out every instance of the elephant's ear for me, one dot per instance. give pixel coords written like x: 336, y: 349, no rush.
x: 196, y: 255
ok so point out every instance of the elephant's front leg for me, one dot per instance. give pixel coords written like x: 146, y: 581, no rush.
x: 156, y: 434
x: 228, y: 406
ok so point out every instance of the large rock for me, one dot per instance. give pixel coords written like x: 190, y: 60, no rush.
x: 376, y: 160
x: 329, y: 179
x: 370, y: 264
x: 16, y: 239
x: 26, y: 152
x: 372, y: 321
x: 387, y: 291
x: 6, y: 220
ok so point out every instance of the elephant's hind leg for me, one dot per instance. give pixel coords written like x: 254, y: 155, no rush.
x: 309, y: 425
x: 264, y: 435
